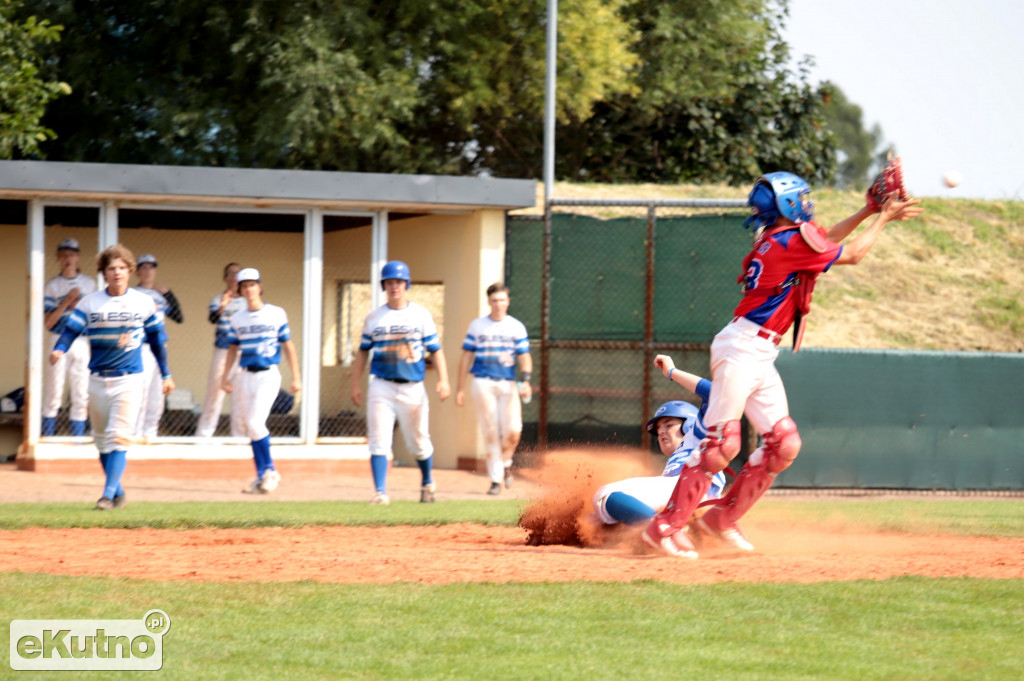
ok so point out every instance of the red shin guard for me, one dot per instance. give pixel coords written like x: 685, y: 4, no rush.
x: 750, y: 485
x: 691, y: 487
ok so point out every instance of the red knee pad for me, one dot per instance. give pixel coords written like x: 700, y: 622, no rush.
x: 720, y: 446
x: 781, y: 446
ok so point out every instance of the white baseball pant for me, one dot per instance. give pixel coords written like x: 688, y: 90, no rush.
x: 387, y: 401
x: 500, y: 415
x: 74, y: 365
x: 744, y: 378
x: 215, y: 398
x: 151, y: 402
x: 255, y: 393
x: 655, y: 491
x: 113, y: 409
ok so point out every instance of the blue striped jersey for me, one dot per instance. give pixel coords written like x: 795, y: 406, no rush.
x: 220, y: 338
x: 496, y: 345
x: 691, y: 443
x: 57, y: 289
x: 259, y: 334
x: 116, y: 327
x: 400, y: 340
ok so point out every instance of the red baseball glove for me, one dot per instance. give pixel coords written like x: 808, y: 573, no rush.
x: 889, y: 180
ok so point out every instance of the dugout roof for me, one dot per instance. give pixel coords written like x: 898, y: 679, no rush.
x: 163, y: 187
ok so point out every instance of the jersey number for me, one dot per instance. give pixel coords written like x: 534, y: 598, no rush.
x: 753, y: 274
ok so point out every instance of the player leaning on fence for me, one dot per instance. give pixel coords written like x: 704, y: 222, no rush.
x: 778, y: 276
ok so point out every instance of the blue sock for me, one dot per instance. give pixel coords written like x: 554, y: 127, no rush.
x: 78, y: 428
x: 426, y: 465
x: 49, y: 425
x: 116, y: 463
x: 379, y: 468
x: 261, y: 455
x: 627, y: 509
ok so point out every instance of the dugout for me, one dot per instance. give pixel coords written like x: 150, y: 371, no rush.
x: 318, y: 238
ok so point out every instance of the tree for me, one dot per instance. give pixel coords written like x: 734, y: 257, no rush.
x: 718, y: 103
x: 24, y: 93
x: 857, y: 148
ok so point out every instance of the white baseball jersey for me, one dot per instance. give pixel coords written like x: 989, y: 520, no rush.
x: 259, y: 335
x: 57, y: 289
x: 116, y: 327
x: 220, y: 338
x: 496, y: 345
x: 399, y: 340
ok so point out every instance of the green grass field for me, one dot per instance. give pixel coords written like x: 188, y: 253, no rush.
x: 905, y: 628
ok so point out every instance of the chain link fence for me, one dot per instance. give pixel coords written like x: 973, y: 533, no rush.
x: 603, y: 287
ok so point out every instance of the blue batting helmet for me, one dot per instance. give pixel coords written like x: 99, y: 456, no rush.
x: 396, y: 269
x: 678, y: 409
x: 779, y: 194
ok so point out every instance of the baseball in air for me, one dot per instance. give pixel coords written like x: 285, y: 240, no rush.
x: 952, y: 178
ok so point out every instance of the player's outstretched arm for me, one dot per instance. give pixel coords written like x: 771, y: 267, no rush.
x: 465, y: 362
x: 357, y: 377
x: 683, y: 378
x: 293, y: 363
x: 444, y: 389
x: 892, y: 210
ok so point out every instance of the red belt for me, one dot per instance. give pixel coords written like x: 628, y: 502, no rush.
x: 762, y: 332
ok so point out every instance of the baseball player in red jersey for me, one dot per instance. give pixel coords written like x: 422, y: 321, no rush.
x: 779, y: 275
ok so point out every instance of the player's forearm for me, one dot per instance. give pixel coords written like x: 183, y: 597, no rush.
x: 465, y: 363
x: 526, y: 363
x: 843, y: 229
x: 685, y: 379
x: 855, y: 251
x: 173, y: 307
x: 293, y: 360
x: 67, y: 337
x: 442, y: 366
x: 358, y: 364
x: 155, y: 339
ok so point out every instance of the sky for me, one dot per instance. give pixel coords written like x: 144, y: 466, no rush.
x: 944, y: 79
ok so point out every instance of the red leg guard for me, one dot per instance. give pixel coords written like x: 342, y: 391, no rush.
x: 781, y: 447
x: 716, y: 450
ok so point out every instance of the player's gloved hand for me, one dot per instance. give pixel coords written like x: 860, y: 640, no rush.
x: 888, y: 182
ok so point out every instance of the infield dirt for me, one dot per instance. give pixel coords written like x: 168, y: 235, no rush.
x: 459, y: 553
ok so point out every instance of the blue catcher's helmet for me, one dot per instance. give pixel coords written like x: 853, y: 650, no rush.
x: 677, y: 408
x: 396, y: 269
x: 779, y: 194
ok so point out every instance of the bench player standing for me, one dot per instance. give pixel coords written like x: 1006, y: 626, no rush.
x: 222, y: 306
x: 778, y: 276
x: 492, y: 346
x: 152, y: 402
x: 61, y: 294
x: 117, y: 321
x: 399, y: 333
x: 259, y: 332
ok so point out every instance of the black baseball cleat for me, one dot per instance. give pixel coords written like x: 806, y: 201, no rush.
x: 508, y: 478
x: 104, y: 504
x: 427, y: 493
x: 119, y: 501
x: 495, y: 488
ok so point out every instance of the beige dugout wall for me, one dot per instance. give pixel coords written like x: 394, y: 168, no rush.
x: 13, y: 301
